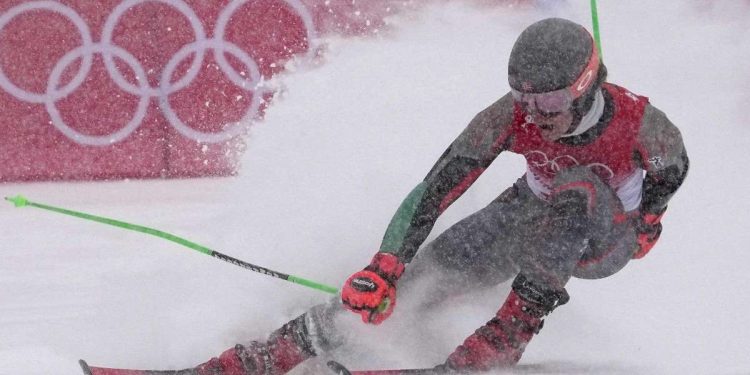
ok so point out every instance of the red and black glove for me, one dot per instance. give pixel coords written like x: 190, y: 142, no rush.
x: 372, y: 291
x: 648, y: 228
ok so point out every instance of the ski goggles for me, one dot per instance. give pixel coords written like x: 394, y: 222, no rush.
x: 560, y: 100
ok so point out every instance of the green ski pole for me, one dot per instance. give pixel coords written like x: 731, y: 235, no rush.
x: 20, y: 201
x: 595, y: 24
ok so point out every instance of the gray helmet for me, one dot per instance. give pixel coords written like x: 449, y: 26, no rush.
x: 555, y: 54
x: 549, y: 55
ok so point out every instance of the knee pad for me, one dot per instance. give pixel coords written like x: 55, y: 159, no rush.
x: 571, y: 201
x: 576, y: 189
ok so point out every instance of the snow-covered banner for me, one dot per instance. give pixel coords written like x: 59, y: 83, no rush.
x: 147, y: 88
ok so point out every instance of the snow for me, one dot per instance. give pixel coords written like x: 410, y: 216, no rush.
x: 338, y: 151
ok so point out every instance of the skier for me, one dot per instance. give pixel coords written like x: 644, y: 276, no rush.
x: 602, y: 163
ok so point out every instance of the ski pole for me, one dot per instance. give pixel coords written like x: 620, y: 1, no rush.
x: 595, y: 24
x: 20, y: 201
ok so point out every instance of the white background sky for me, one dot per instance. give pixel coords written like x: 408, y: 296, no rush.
x: 325, y: 171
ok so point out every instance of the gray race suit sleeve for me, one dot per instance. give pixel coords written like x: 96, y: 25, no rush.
x: 459, y: 166
x: 663, y: 157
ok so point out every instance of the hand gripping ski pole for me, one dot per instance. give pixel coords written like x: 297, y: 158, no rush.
x: 20, y: 201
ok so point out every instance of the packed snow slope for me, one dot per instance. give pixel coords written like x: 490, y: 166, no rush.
x: 339, y: 149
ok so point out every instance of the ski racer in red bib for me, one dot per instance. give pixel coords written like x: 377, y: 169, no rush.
x: 602, y: 164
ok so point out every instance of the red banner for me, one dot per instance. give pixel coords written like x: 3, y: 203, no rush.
x: 149, y: 88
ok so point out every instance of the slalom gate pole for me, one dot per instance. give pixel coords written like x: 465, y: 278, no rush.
x: 20, y: 201
x: 595, y: 25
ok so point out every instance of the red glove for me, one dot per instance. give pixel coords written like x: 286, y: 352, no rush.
x: 648, y: 228
x: 372, y: 291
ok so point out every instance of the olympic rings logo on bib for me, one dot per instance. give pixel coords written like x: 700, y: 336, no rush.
x: 252, y: 81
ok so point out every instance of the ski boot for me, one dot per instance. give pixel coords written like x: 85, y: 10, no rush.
x: 286, y: 347
x: 501, y: 342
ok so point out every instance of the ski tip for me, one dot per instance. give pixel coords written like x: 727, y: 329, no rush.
x: 84, y: 367
x: 338, y: 368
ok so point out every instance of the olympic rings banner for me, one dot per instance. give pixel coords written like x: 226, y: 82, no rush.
x: 113, y: 89
x: 148, y: 88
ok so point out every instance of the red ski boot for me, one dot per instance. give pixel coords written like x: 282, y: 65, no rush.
x: 286, y: 348
x: 501, y: 342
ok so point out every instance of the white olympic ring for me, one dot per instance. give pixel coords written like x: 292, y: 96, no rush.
x: 232, y: 130
x: 109, y: 29
x: 83, y: 29
x: 554, y: 165
x: 86, y: 51
x: 104, y: 140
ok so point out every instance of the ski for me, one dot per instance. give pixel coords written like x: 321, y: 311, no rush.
x: 92, y: 370
x: 340, y: 369
x: 337, y: 368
